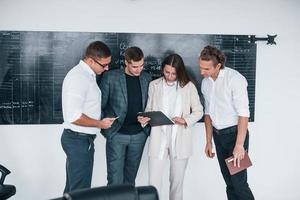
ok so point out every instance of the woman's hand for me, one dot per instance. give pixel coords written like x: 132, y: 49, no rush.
x: 179, y: 121
x: 143, y: 120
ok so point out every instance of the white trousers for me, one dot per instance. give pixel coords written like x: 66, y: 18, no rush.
x: 177, y: 171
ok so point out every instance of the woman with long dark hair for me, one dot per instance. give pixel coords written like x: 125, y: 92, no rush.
x: 176, y: 96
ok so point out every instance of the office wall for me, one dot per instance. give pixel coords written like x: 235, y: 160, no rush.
x: 33, y: 152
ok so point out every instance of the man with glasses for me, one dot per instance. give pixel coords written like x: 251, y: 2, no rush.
x: 81, y: 104
x: 124, y: 94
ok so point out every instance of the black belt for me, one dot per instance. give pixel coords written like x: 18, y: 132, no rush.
x: 69, y: 131
x: 231, y: 129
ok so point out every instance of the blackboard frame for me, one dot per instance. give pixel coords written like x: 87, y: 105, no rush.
x: 34, y: 63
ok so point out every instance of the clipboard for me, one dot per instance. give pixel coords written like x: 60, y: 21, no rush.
x: 244, y: 164
x: 157, y: 118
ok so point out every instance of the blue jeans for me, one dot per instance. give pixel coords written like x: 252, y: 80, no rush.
x: 79, y: 148
x: 123, y: 157
x: 237, y: 186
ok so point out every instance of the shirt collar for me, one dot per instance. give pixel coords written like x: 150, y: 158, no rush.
x: 220, y: 75
x: 87, y: 68
x: 169, y: 84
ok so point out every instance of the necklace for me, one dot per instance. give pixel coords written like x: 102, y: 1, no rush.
x: 170, y: 83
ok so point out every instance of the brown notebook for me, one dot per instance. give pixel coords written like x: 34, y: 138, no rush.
x: 244, y: 164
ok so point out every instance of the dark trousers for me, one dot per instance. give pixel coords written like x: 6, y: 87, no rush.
x: 79, y: 148
x: 123, y: 157
x: 237, y: 186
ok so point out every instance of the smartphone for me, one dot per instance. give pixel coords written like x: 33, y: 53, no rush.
x: 114, y: 118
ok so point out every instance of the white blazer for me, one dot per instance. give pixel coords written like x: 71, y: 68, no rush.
x: 192, y: 111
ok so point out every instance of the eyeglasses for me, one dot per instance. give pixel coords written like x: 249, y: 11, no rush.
x: 105, y: 65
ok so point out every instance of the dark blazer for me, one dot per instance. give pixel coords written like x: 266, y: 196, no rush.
x: 114, y: 98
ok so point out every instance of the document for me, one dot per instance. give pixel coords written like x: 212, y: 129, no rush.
x: 157, y: 118
x: 244, y: 164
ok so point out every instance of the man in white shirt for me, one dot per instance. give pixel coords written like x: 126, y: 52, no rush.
x: 81, y: 104
x: 226, y: 118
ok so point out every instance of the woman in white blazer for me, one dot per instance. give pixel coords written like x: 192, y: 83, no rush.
x: 176, y: 96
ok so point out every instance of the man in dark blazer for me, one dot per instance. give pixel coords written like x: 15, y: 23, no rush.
x: 124, y: 94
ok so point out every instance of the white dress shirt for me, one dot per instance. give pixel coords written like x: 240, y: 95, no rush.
x: 169, y: 98
x: 172, y: 107
x: 226, y: 98
x: 81, y: 95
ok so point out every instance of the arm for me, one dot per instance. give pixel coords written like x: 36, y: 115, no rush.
x: 208, y: 126
x: 239, y: 151
x: 74, y: 103
x: 149, y: 107
x: 241, y: 104
x: 84, y: 120
x: 196, y: 107
x: 104, y: 87
x: 208, y: 130
x: 242, y: 131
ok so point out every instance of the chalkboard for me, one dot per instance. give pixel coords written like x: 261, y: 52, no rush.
x: 33, y: 65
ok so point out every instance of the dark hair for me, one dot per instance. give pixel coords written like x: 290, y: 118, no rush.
x: 176, y: 61
x: 213, y: 54
x: 133, y: 53
x: 97, y: 49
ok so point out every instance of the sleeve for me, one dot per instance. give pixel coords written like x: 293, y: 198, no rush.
x: 149, y: 105
x: 196, y: 106
x: 75, y: 94
x: 104, y: 87
x: 240, y: 95
x: 206, y: 112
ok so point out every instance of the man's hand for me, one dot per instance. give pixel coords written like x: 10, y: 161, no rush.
x: 106, y: 123
x: 143, y: 120
x: 179, y: 121
x: 238, y: 154
x: 209, y: 150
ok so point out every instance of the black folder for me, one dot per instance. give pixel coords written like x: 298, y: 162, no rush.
x: 157, y: 118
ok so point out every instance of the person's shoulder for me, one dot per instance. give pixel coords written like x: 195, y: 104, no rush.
x: 234, y: 75
x: 204, y: 81
x: 77, y: 73
x: 146, y: 75
x: 231, y: 72
x: 190, y: 86
x: 154, y: 84
x: 156, y: 81
x: 113, y: 73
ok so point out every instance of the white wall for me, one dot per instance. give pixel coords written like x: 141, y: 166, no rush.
x: 34, y: 155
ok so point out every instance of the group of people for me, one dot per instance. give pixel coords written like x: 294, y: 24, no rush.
x: 123, y: 93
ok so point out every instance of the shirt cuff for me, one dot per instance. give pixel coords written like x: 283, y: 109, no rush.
x: 144, y: 125
x: 75, y: 115
x: 243, y: 113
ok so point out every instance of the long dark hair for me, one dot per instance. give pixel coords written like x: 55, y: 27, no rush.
x: 176, y: 61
